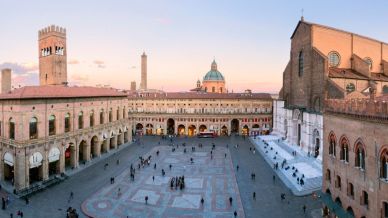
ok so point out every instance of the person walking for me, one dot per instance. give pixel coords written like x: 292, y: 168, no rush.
x: 273, y: 178
x: 254, y: 196
x: 202, y: 201
x: 230, y: 201
x: 153, y: 178
x: 237, y: 167
x: 146, y: 199
x: 304, y: 209
x: 235, y: 213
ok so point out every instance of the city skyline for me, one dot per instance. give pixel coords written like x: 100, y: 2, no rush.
x: 180, y: 38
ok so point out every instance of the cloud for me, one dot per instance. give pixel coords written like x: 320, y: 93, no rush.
x: 21, y: 68
x: 23, y: 73
x: 99, y: 63
x: 73, y: 61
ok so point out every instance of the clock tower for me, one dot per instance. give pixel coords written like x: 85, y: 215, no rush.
x: 52, y: 56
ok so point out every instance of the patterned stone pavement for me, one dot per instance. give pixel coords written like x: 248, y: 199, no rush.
x: 210, y: 178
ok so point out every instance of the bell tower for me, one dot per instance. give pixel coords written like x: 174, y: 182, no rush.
x: 52, y: 56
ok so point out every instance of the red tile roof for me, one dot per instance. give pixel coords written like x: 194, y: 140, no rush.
x: 352, y: 74
x: 39, y: 92
x: 200, y: 95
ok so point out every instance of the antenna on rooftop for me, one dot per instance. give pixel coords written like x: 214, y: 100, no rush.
x: 302, y: 18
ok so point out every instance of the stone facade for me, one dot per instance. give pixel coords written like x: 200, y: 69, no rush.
x: 355, y: 171
x: 192, y: 113
x: 62, y: 143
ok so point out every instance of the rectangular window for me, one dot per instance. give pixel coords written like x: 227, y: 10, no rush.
x: 80, y: 122
x: 12, y: 130
x: 67, y: 124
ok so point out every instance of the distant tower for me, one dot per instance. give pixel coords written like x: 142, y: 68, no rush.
x: 5, y: 80
x: 143, y: 83
x: 52, y: 56
x: 133, y: 86
x: 198, y: 84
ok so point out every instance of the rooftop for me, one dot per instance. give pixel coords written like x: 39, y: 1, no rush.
x: 43, y: 92
x: 201, y: 95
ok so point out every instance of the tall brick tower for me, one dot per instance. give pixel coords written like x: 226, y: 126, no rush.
x: 52, y: 56
x: 143, y: 83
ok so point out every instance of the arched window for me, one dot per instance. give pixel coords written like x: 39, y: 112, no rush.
x: 300, y: 63
x: 123, y: 112
x: 11, y: 128
x: 110, y: 115
x: 385, y: 89
x: 118, y: 114
x: 385, y: 209
x: 52, y: 125
x: 344, y: 153
x: 351, y: 190
x: 80, y: 120
x: 328, y: 175
x: 102, y: 116
x: 334, y: 59
x: 332, y: 145
x: 33, y: 128
x: 67, y: 122
x: 369, y: 61
x: 384, y: 165
x: 350, y: 87
x: 213, y: 89
x: 338, y: 182
x: 360, y: 156
x: 91, y: 118
x: 220, y: 89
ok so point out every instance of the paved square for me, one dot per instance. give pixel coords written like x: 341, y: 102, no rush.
x: 210, y: 178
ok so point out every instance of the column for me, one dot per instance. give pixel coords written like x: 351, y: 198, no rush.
x: 62, y: 159
x: 106, y: 145
x: 2, y: 166
x: 76, y: 160
x: 21, y: 170
x: 97, y: 149
x: 86, y: 151
x: 45, y: 167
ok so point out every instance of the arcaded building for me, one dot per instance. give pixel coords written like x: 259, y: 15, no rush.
x: 189, y: 113
x: 355, y: 159
x: 49, y: 129
x: 325, y: 62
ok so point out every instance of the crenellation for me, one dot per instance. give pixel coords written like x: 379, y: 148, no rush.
x: 47, y: 31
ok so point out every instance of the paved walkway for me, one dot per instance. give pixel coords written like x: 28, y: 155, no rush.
x: 296, y: 166
x: 53, y: 202
x: 209, y: 177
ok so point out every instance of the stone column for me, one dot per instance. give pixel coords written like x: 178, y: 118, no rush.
x: 115, y: 142
x: 76, y: 155
x: 45, y: 167
x: 97, y: 149
x: 87, y: 151
x: 21, y: 170
x: 106, y: 145
x: 2, y: 165
x: 62, y: 159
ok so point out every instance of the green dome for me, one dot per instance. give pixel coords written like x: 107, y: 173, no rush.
x: 213, y: 75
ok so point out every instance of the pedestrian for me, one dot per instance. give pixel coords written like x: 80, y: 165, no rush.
x: 235, y: 213
x: 230, y: 201
x: 202, y: 201
x: 304, y: 209
x: 154, y: 165
x: 153, y: 178
x: 273, y: 178
x: 237, y: 167
x: 254, y: 196
x: 27, y: 201
x: 225, y: 155
x: 146, y: 199
x: 11, y: 215
x: 170, y: 166
x: 118, y: 161
x: 71, y: 195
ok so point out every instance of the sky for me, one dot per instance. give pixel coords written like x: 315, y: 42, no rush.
x: 250, y: 40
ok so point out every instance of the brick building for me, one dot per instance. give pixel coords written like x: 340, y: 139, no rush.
x: 325, y: 62
x: 355, y: 160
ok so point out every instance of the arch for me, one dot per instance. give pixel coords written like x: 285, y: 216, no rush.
x: 344, y: 151
x: 170, y: 126
x: 350, y: 211
x: 332, y: 143
x: 245, y: 130
x: 338, y: 201
x: 202, y: 128
x: 256, y: 126
x: 36, y: 159
x: 67, y: 122
x: 94, y: 142
x: 8, y: 159
x: 54, y: 154
x: 317, y: 142
x: 139, y: 126
x: 360, y: 153
x: 36, y: 168
x: 80, y: 120
x: 224, y: 130
x: 149, y: 129
x: 53, y: 157
x: 82, y: 151
x: 235, y: 126
x: 384, y: 163
x: 70, y: 155
x: 8, y: 170
x: 385, y: 208
x: 52, y: 124
x: 192, y: 130
x: 33, y: 128
x: 181, y: 129
x: 11, y: 128
x: 328, y: 191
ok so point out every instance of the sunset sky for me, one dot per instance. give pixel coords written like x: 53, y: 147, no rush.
x: 250, y: 40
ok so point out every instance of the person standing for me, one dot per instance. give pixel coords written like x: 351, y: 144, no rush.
x: 304, y: 209
x: 254, y: 196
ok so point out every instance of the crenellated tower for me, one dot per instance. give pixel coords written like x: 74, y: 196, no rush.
x: 52, y: 56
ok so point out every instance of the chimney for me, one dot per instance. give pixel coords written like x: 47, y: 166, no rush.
x: 5, y: 80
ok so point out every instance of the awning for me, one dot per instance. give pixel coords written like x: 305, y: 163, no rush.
x: 104, y: 136
x: 125, y: 129
x: 54, y: 155
x: 8, y: 159
x: 36, y: 160
x: 334, y: 207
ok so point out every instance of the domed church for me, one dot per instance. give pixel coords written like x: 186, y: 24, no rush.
x: 213, y: 81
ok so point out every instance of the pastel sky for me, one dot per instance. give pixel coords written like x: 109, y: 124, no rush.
x: 250, y: 40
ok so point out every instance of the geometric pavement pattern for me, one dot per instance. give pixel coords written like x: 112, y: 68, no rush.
x: 210, y: 178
